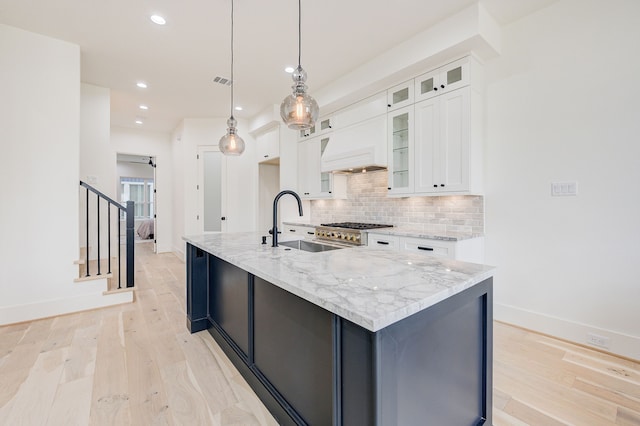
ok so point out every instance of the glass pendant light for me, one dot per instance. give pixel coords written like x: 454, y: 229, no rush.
x: 231, y: 143
x: 299, y: 110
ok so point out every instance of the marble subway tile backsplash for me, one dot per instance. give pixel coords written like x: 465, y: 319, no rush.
x: 367, y: 201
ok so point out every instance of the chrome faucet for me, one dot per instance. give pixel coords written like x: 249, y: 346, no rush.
x: 274, y: 230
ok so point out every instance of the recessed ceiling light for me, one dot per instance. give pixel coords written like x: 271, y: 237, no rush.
x: 141, y: 84
x: 157, y: 19
x: 138, y: 121
x: 144, y: 107
x: 238, y: 108
x: 289, y: 69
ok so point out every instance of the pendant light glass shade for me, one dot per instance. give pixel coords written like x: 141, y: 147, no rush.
x: 231, y: 143
x: 299, y: 110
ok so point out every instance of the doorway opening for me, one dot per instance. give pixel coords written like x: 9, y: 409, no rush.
x: 136, y: 181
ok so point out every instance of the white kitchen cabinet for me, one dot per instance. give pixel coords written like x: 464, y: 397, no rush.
x: 467, y: 250
x: 400, y: 96
x: 389, y: 242
x: 444, y: 79
x: 442, y: 143
x: 268, y: 144
x: 312, y: 182
x: 304, y: 231
x: 400, y: 156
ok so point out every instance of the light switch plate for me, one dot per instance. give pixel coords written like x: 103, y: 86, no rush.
x: 563, y: 189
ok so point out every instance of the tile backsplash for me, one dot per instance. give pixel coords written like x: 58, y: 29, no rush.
x: 367, y: 201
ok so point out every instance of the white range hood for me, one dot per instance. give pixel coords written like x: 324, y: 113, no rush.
x: 360, y: 138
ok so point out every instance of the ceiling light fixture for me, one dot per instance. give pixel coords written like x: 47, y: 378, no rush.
x: 238, y: 108
x: 157, y: 19
x: 138, y: 121
x: 299, y: 110
x: 141, y: 84
x: 144, y: 107
x: 231, y: 143
x: 289, y: 70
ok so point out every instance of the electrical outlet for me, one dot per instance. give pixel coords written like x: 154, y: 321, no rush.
x: 597, y: 340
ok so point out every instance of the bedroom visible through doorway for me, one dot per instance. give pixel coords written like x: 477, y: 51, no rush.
x: 136, y: 182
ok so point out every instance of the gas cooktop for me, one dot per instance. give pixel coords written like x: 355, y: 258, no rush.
x: 356, y: 225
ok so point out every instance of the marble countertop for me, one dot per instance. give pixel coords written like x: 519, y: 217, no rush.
x: 371, y: 287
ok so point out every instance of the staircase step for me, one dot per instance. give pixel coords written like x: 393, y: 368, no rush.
x: 93, y: 278
x: 119, y: 290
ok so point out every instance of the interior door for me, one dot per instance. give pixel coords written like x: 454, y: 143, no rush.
x: 153, y: 199
x: 211, y: 194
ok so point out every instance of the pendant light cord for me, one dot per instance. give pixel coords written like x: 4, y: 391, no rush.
x: 232, y: 81
x: 299, y: 30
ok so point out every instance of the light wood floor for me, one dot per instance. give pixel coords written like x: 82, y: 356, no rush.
x: 137, y: 364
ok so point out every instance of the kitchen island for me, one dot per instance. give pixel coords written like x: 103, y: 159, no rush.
x: 355, y: 336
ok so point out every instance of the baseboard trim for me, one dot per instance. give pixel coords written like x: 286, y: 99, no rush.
x: 51, y: 308
x: 620, y: 344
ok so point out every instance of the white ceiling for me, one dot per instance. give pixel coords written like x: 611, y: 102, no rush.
x: 120, y: 45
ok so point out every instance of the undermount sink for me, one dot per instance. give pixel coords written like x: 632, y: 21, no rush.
x: 308, y: 246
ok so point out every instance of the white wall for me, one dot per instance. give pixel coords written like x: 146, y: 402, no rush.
x: 133, y: 170
x: 240, y: 195
x: 39, y: 142
x: 563, y: 105
x: 97, y: 168
x: 157, y: 145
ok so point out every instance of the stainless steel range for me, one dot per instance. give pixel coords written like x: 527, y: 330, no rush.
x: 352, y: 233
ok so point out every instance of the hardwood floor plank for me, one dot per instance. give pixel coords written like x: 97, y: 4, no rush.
x: 187, y: 404
x: 32, y: 403
x: 147, y: 395
x: 532, y: 416
x: 110, y: 396
x: 618, y: 398
x: 628, y: 417
x: 72, y: 403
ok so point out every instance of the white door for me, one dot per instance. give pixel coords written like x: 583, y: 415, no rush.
x: 211, y: 193
x: 153, y: 200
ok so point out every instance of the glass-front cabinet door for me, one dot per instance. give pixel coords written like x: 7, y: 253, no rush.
x: 400, y: 96
x: 400, y: 144
x: 325, y: 177
x: 442, y: 80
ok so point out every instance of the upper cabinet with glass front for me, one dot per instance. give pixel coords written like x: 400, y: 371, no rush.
x: 400, y: 96
x: 401, y: 150
x: 442, y: 80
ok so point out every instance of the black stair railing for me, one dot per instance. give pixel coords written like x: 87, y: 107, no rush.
x: 129, y: 216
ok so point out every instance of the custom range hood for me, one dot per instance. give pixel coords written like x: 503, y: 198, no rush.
x: 359, y: 139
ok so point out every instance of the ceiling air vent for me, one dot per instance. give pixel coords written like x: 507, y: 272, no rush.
x: 222, y: 80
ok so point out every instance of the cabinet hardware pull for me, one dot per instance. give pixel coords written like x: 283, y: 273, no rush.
x: 435, y: 89
x: 266, y: 156
x: 425, y: 248
x: 435, y: 186
x: 389, y: 188
x: 292, y: 230
x: 442, y: 184
x: 384, y: 243
x: 311, y: 233
x: 442, y: 85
